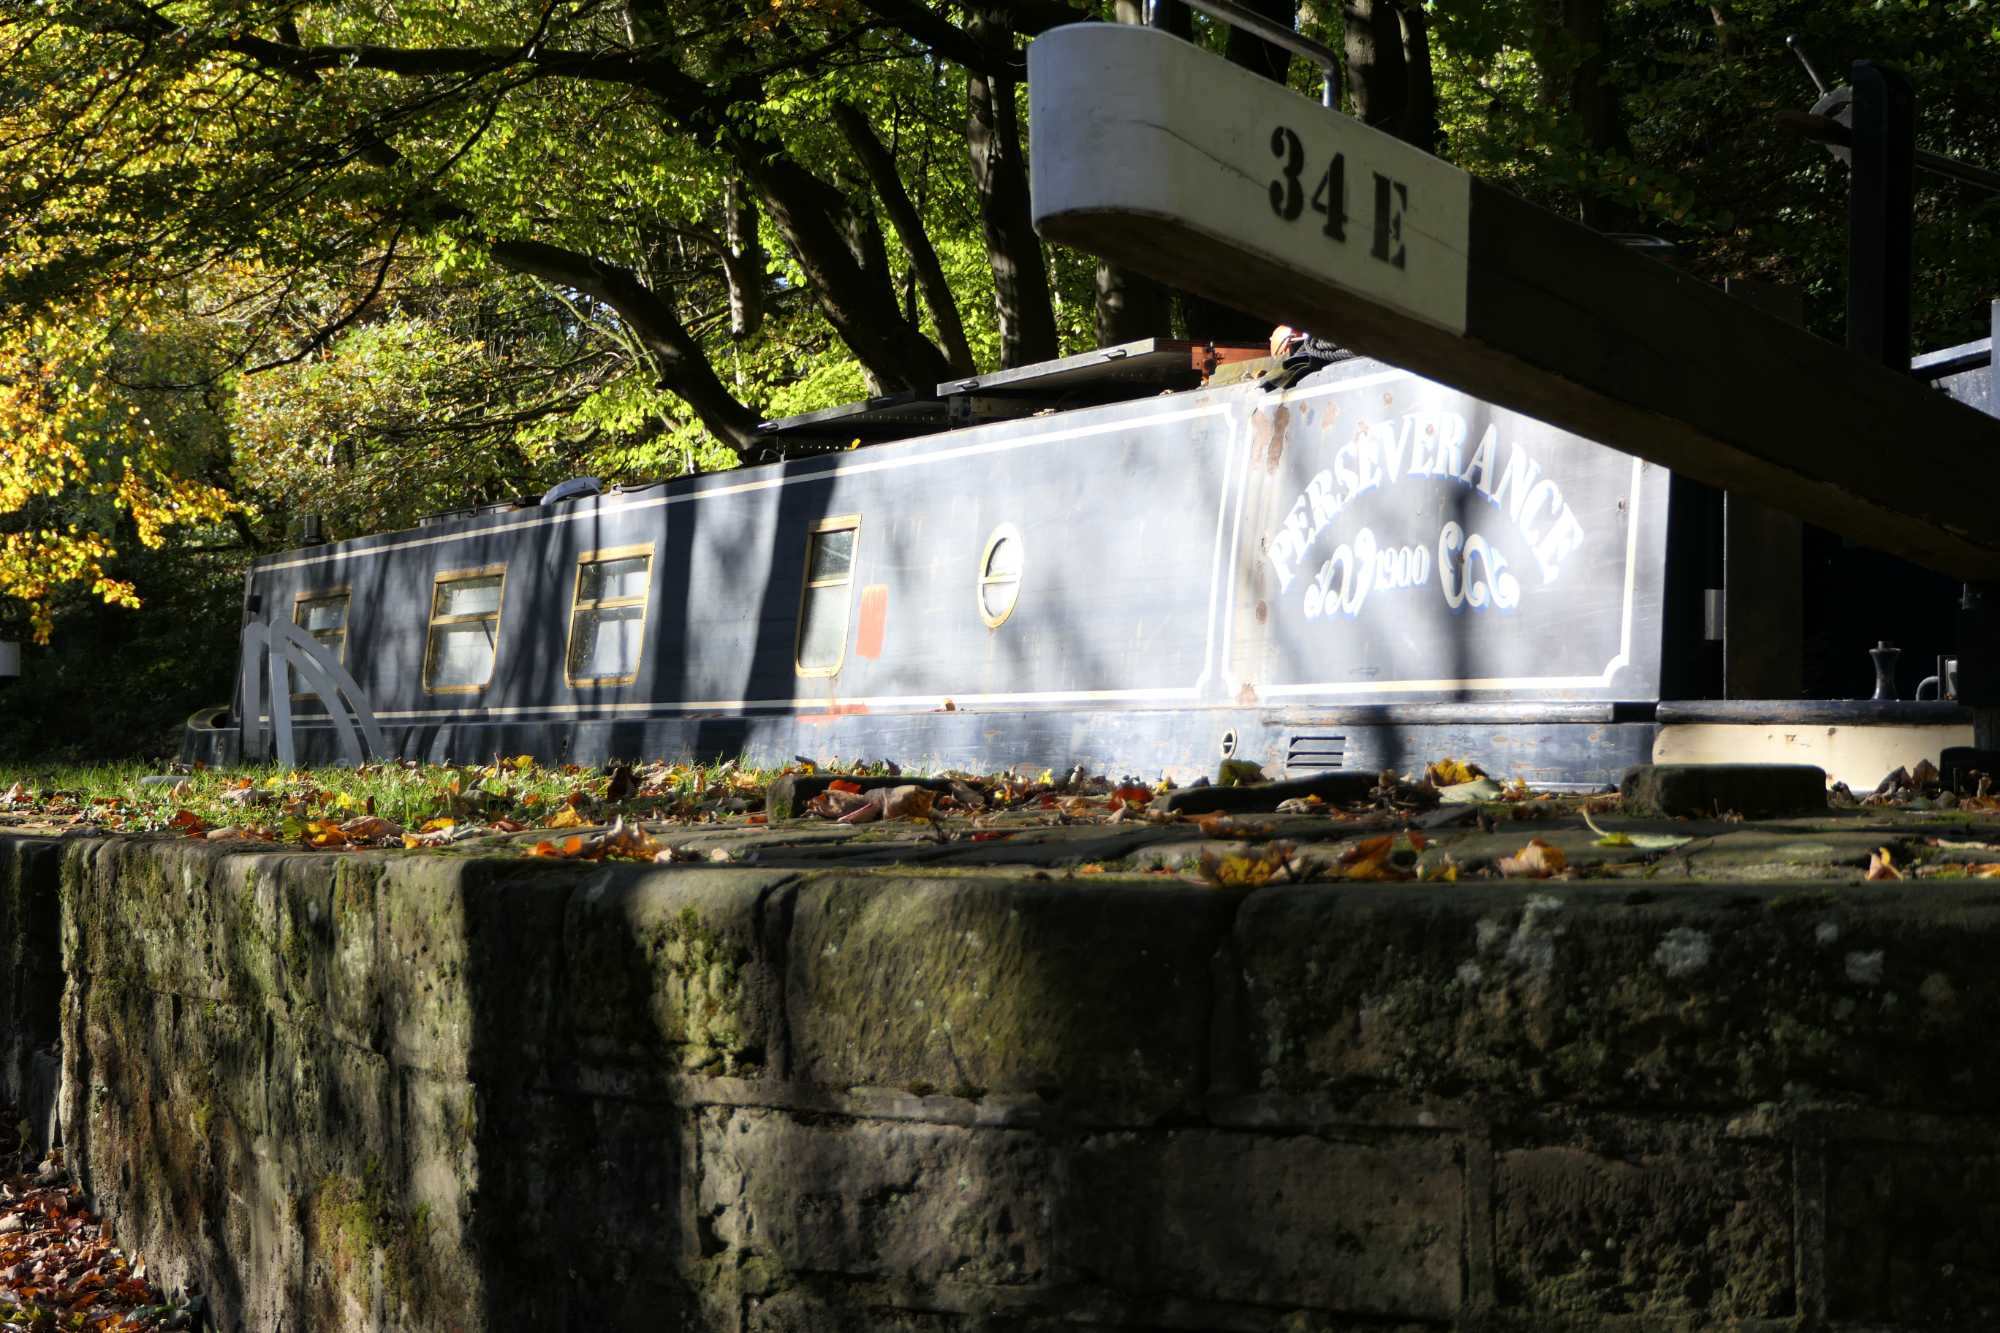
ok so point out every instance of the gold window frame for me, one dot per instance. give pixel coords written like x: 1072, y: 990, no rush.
x: 577, y: 604
x: 324, y: 595
x: 443, y: 577
x: 843, y: 523
x: 987, y: 580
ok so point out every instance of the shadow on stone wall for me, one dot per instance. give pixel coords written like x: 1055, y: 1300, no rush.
x: 375, y: 1092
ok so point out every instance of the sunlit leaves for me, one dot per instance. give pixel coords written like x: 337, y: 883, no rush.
x: 82, y: 459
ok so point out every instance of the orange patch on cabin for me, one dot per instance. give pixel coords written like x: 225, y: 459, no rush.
x: 874, y: 617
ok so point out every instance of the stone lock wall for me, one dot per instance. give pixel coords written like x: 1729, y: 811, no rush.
x: 386, y: 1092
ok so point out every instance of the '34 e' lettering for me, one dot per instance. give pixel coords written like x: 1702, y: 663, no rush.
x: 1329, y: 197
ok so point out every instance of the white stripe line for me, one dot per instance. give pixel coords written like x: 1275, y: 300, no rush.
x: 807, y: 707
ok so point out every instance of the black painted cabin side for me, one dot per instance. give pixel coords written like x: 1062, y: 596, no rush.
x: 1362, y: 570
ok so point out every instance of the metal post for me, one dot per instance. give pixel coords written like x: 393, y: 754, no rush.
x: 1880, y: 201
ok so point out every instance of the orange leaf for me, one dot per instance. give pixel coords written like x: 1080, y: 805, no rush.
x: 1370, y: 859
x: 1538, y: 860
x: 842, y: 784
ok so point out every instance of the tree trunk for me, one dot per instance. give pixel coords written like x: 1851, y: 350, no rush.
x: 858, y: 301
x: 1000, y: 178
x: 742, y: 262
x: 1420, y: 117
x: 880, y: 165
x: 1569, y: 57
x: 1130, y: 306
x: 1378, y: 78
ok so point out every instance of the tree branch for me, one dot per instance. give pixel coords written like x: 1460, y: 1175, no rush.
x: 880, y: 164
x: 684, y: 369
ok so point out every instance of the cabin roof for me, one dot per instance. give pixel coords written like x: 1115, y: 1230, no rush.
x: 1104, y: 375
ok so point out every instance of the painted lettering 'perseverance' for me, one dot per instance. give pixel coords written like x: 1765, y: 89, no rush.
x: 1431, y: 445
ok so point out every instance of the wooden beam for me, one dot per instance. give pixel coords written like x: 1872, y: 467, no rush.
x: 1154, y: 154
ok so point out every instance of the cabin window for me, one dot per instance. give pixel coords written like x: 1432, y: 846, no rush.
x: 823, y: 606
x: 324, y: 616
x: 465, y: 629
x: 607, y: 619
x: 1000, y: 575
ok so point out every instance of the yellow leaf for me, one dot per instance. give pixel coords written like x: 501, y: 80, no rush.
x: 1451, y: 772
x: 567, y: 817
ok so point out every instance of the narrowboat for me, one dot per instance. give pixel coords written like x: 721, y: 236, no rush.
x: 1142, y: 560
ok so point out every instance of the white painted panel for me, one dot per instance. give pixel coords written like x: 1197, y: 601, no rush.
x: 1128, y: 120
x: 1860, y: 756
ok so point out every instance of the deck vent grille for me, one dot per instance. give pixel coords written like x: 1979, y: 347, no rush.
x: 1314, y: 753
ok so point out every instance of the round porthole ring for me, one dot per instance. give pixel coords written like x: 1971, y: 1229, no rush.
x: 1005, y: 532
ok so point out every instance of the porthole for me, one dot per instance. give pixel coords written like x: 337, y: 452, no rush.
x: 1000, y: 575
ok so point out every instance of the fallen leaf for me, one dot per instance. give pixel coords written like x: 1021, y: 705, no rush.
x: 567, y: 817
x: 1370, y: 859
x: 1881, y: 865
x: 1470, y: 791
x: 1538, y: 860
x: 1239, y: 773
x: 837, y: 801
x: 371, y: 828
x: 1452, y: 772
x: 324, y: 834
x: 1646, y: 842
x: 907, y: 802
x: 1238, y: 870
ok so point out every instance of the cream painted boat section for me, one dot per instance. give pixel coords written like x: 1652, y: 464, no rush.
x: 1860, y: 756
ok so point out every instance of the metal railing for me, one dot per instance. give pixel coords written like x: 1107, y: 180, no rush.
x: 1250, y: 21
